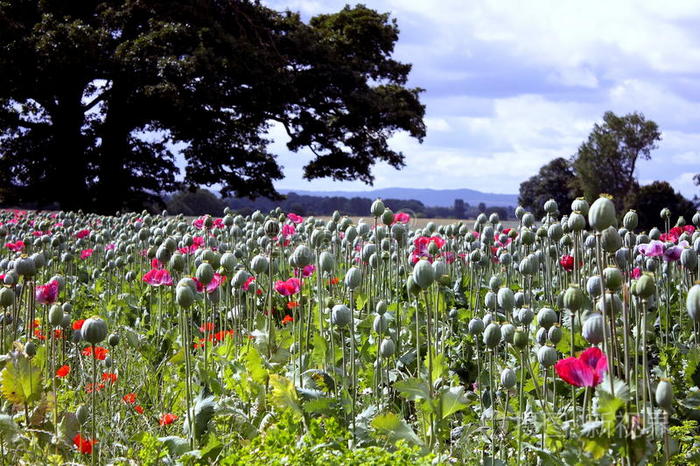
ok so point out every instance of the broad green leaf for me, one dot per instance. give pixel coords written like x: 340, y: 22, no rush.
x: 413, y: 389
x: 21, y: 381
x: 607, y: 408
x: 597, y: 447
x: 8, y: 428
x: 284, y: 395
x: 622, y: 391
x: 255, y: 366
x: 452, y: 400
x: 390, y: 425
x: 176, y: 445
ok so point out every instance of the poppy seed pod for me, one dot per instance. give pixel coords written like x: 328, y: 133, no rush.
x: 555, y: 232
x: 7, y: 297
x: 550, y: 206
x: 601, y: 214
x: 490, y: 300
x: 353, y: 278
x: 610, y: 240
x: 381, y: 323
x: 341, y: 315
x: 377, y: 208
x: 411, y: 287
x: 527, y: 237
x: 326, y: 262
x: 387, y: 347
x: 239, y: 279
x: 630, y: 220
x: 547, y: 356
x: 664, y: 395
x: 613, y: 304
x: 573, y: 298
x: 593, y: 286
x: 526, y: 316
x: 177, y: 262
x: 272, y: 228
x: 184, y: 296
x: 94, y: 330
x: 546, y: 317
x: 507, y: 332
x: 508, y: 378
x: 689, y: 259
x: 55, y: 315
x: 492, y: 335
x: 580, y: 205
x: 25, y: 267
x: 302, y: 256
x: 506, y: 299
x: 388, y: 217
x: 644, y: 287
x: 692, y: 303
x: 113, y: 339
x: 520, y: 339
x: 555, y: 334
x: 423, y: 274
x: 82, y: 414
x: 612, y: 278
x: 541, y: 336
x: 476, y: 326
x: 528, y: 220
x: 665, y: 213
x: 205, y: 273
x: 577, y: 221
x: 592, y: 329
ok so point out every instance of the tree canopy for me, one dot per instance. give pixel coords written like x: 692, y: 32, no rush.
x: 606, y: 161
x: 98, y: 97
x: 553, y: 181
x: 651, y: 198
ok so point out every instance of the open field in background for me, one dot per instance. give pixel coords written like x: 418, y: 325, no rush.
x: 422, y: 222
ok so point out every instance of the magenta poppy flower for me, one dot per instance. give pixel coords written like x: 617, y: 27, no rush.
x: 85, y: 253
x: 585, y: 371
x: 288, y: 230
x: 47, y: 294
x: 158, y: 277
x: 402, y: 217
x: 295, y: 218
x: 17, y: 246
x: 215, y: 282
x: 248, y: 282
x: 288, y: 287
x: 308, y: 270
x: 82, y: 233
x: 636, y: 272
x: 673, y: 253
x: 653, y: 249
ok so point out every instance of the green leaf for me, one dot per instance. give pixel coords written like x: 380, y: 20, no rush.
x: 452, y: 400
x: 607, y: 408
x: 597, y: 447
x: 395, y: 428
x: 413, y: 389
x: 8, y: 428
x: 284, y: 395
x: 255, y: 366
x: 622, y: 391
x: 176, y: 445
x: 21, y: 381
x: 203, y: 411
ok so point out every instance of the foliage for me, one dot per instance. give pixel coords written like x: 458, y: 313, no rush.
x: 555, y: 180
x: 97, y: 98
x: 650, y: 199
x: 606, y: 161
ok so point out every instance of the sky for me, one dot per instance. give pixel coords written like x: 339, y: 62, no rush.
x: 511, y: 85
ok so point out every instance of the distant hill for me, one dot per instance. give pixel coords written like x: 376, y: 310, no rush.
x: 429, y: 197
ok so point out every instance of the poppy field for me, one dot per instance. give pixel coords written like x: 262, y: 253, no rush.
x: 278, y: 339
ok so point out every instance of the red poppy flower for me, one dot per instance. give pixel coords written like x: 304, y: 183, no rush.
x: 167, y: 419
x: 63, y: 371
x: 206, y: 327
x: 39, y: 335
x: 78, y: 324
x: 109, y: 376
x: 100, y: 352
x: 129, y: 398
x: 287, y: 319
x: 83, y: 444
x: 58, y: 334
x: 292, y: 304
x: 138, y: 409
x: 585, y: 371
x: 89, y: 388
x: 334, y: 280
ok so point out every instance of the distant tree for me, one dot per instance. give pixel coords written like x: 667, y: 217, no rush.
x: 606, y: 162
x: 650, y: 199
x: 501, y: 211
x: 459, y: 209
x: 696, y: 198
x: 93, y: 94
x: 199, y: 202
x: 553, y: 181
x: 481, y: 207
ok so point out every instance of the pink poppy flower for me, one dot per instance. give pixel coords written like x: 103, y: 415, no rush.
x: 401, y: 217
x: 82, y: 233
x: 585, y: 371
x: 652, y: 249
x: 47, y: 294
x: 85, y: 253
x: 158, y: 277
x: 288, y: 230
x: 308, y: 270
x: 295, y: 218
x: 288, y: 287
x: 248, y: 282
x: 17, y: 246
x: 636, y: 272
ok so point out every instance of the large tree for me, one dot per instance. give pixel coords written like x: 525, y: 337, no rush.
x: 554, y: 181
x: 606, y: 162
x: 650, y: 199
x: 98, y: 97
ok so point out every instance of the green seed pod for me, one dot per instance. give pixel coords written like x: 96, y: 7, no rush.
x: 664, y: 395
x: 94, y: 330
x: 381, y: 307
x: 592, y: 329
x: 326, y: 262
x: 272, y: 228
x: 613, y: 304
x: 527, y: 237
x: 412, y: 287
x: 7, y: 297
x: 205, y: 273
x: 573, y: 298
x: 580, y: 205
x: 508, y: 378
x: 492, y: 335
x: 25, y: 267
x: 555, y: 334
x: 177, y: 262
x: 184, y: 296
x: 55, y: 315
x: 476, y: 326
x: 423, y: 274
x: 388, y: 217
x: 228, y: 262
x: 113, y: 339
x: 528, y: 219
x: 547, y: 356
x: 507, y: 332
x: 30, y: 349
x: 526, y: 316
x: 550, y: 206
x: 353, y: 278
x: 441, y: 272
x: 82, y: 413
x: 689, y: 259
x: 630, y: 220
x: 577, y: 221
x: 506, y: 299
x: 665, y: 213
x: 239, y: 279
x: 610, y: 240
x: 601, y: 214
x: 546, y: 317
x: 555, y: 232
x: 377, y: 208
x: 387, y: 347
x: 341, y: 315
x: 520, y: 339
x: 612, y: 277
x: 381, y: 323
x: 302, y: 256
x: 692, y: 302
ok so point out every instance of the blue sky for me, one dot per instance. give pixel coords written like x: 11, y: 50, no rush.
x: 511, y: 85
